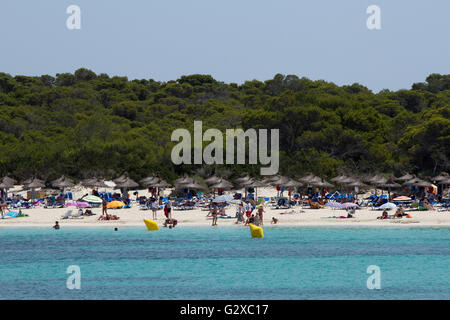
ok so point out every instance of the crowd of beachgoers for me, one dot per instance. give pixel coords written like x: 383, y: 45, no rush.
x: 217, y: 199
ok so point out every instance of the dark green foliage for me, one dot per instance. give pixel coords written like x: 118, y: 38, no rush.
x: 86, y: 124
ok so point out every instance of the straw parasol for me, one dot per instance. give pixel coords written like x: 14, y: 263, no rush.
x: 213, y: 180
x: 122, y: 178
x: 149, y: 180
x: 339, y: 179
x: 389, y: 184
x: 126, y: 183
x: 442, y: 177
x: 35, y: 183
x: 183, y: 180
x: 405, y: 177
x: 9, y: 180
x: 222, y: 184
x: 308, y: 178
x: 194, y: 186
x: 358, y: 184
x: 254, y: 184
x: 242, y: 179
x: 161, y: 184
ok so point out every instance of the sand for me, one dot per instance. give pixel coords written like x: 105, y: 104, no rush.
x: 42, y: 217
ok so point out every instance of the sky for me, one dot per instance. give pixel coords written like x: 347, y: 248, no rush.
x: 232, y: 40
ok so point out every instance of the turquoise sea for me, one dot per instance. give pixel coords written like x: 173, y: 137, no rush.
x: 225, y: 263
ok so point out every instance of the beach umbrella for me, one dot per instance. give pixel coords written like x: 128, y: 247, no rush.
x: 242, y: 179
x: 65, y: 183
x: 93, y: 199
x: 88, y: 182
x: 148, y: 181
x: 402, y: 198
x: 126, y: 183
x: 441, y: 178
x: 115, y: 204
x: 78, y: 204
x: 255, y: 184
x: 6, y: 183
x: 222, y: 184
x: 347, y: 205
x: 412, y: 181
x: 223, y: 198
x: 193, y: 186
x: 422, y: 183
x: 388, y: 206
x: 213, y: 180
x: 161, y: 184
x: 122, y: 178
x: 358, y: 184
x: 100, y: 184
x: 184, y: 180
x: 309, y: 179
x: 339, y: 178
x: 405, y: 177
x: 35, y: 183
x: 322, y: 184
x: 390, y: 184
x: 9, y: 180
x: 333, y: 204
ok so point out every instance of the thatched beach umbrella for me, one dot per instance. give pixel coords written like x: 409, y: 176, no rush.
x: 147, y: 181
x: 242, y: 179
x: 442, y: 177
x: 7, y: 183
x: 254, y: 184
x: 213, y: 180
x: 161, y: 184
x: 35, y: 183
x: 122, y: 178
x: 125, y: 184
x: 183, y: 180
x: 358, y: 184
x: 150, y: 181
x: 390, y: 184
x: 222, y: 184
x: 405, y: 177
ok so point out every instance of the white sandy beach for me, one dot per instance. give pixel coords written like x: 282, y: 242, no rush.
x: 42, y: 217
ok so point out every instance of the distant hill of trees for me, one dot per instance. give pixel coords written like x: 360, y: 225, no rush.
x: 84, y: 124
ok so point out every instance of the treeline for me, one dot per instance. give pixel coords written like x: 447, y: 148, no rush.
x: 84, y: 124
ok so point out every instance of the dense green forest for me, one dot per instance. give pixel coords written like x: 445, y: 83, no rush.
x: 84, y: 124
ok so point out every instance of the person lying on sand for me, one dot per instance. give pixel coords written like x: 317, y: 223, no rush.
x: 384, y: 215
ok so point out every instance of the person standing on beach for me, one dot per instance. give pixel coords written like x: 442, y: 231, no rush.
x: 155, y: 206
x: 214, y: 215
x: 167, y: 209
x: 260, y: 214
x: 104, y: 206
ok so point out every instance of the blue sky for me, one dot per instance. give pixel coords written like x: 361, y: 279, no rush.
x: 233, y: 40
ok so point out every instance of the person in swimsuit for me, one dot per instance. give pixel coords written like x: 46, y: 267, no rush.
x: 214, y: 215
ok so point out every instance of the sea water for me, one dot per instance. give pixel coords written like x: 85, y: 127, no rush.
x: 225, y: 263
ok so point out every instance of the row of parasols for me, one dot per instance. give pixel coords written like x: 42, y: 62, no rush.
x: 214, y: 182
